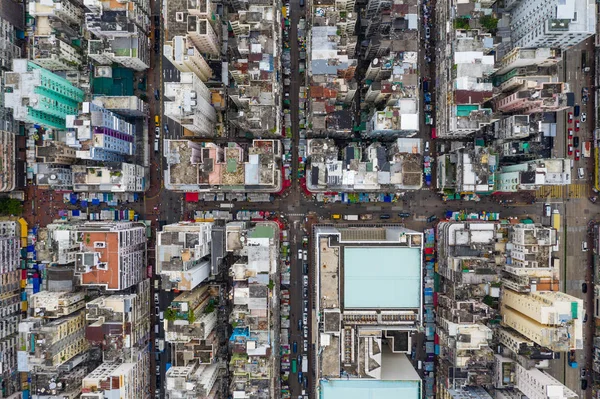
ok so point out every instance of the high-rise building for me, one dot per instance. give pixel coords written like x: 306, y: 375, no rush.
x: 182, y: 251
x: 39, y: 96
x: 549, y: 318
x: 114, y: 178
x: 121, y: 29
x: 202, y: 34
x: 8, y: 162
x: 551, y: 23
x: 186, y: 57
x: 111, y: 255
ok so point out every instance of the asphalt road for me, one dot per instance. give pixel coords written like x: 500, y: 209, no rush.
x: 575, y: 268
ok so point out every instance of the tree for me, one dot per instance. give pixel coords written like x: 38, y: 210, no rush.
x: 461, y: 23
x: 10, y: 206
x: 488, y: 22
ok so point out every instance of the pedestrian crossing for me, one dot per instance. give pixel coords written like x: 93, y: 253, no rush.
x: 575, y: 190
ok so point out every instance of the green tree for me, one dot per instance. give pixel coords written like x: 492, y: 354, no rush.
x: 461, y: 23
x: 488, y: 22
x: 11, y: 206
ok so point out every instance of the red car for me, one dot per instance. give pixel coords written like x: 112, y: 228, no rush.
x: 570, y: 117
x: 577, y: 154
x: 570, y: 149
x: 570, y: 130
x: 577, y: 125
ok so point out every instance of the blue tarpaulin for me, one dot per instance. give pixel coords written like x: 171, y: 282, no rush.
x: 95, y: 201
x: 84, y: 204
x: 73, y: 198
x: 75, y: 212
x: 135, y: 196
x: 30, y: 248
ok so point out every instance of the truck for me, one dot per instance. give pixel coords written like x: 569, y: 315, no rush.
x: 587, y: 149
x: 305, y: 364
x: 572, y: 360
x: 351, y: 217
x: 556, y: 220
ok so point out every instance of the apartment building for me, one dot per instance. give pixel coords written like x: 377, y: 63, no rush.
x: 8, y: 163
x: 202, y: 33
x: 182, y: 254
x: 122, y: 379
x: 191, y: 315
x: 534, y: 174
x: 54, y: 176
x: 111, y: 255
x: 100, y: 134
x: 529, y: 265
x: 535, y: 95
x: 467, y: 170
x: 189, y: 103
x: 54, y: 305
x: 57, y: 342
x: 204, y: 166
x: 551, y: 319
x: 541, y: 23
x: 112, y: 178
x: 194, y: 381
x: 38, y: 96
x: 379, y: 167
x: 120, y: 31
x: 120, y: 324
x: 8, y: 47
x: 527, y: 57
x: 186, y: 57
x: 55, y: 152
x: 251, y: 364
x: 130, y: 106
x: 254, y: 68
x: 469, y: 274
x: 463, y: 70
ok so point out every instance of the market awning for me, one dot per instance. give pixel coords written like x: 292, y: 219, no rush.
x: 191, y: 197
x: 24, y: 231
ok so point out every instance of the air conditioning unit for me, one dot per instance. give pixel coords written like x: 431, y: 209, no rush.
x: 102, y: 266
x: 99, y: 244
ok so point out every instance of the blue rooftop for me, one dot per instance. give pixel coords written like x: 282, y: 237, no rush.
x: 369, y: 389
x: 382, y: 277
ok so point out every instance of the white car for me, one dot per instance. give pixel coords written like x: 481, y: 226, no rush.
x: 584, y: 246
x: 305, y: 332
x: 583, y: 116
x: 305, y: 281
x: 305, y: 345
x: 156, y: 298
x: 300, y: 254
x: 427, y: 33
x: 305, y: 319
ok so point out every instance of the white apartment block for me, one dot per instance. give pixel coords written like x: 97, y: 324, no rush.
x: 119, y: 380
x: 121, y: 178
x: 193, y: 381
x: 551, y: 23
x: 190, y: 104
x: 524, y: 57
x: 537, y: 384
x: 181, y: 251
x: 549, y: 318
x: 63, y: 10
x: 186, y: 57
x: 201, y: 33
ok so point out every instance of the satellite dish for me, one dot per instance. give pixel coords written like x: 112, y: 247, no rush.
x: 52, y: 385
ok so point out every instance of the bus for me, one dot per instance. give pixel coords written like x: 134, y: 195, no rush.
x: 556, y: 220
x: 294, y: 366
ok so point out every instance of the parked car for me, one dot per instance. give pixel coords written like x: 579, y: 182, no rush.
x: 547, y: 210
x: 426, y: 146
x: 299, y: 377
x: 581, y: 173
x: 305, y: 268
x: 427, y: 32
x: 583, y: 116
x: 576, y: 141
x: 577, y: 125
x: 305, y: 319
x: 570, y: 150
x: 299, y: 325
x: 305, y: 281
x: 576, y: 109
x: 295, y: 347
x: 157, y: 94
x: 584, y: 288
x: 584, y: 384
x: 570, y: 132
x: 585, y: 318
x: 305, y: 345
x: 577, y: 155
x: 570, y: 117
x: 384, y: 216
x: 305, y: 332
x: 584, y: 246
x: 305, y: 303
x: 404, y: 215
